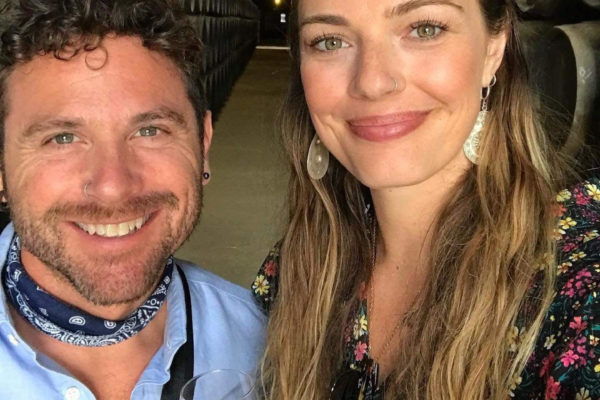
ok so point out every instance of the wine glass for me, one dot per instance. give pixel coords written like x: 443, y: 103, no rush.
x: 219, y: 384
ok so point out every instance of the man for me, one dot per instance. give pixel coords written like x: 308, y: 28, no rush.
x: 105, y: 134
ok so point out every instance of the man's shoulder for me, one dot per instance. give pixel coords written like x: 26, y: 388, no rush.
x: 211, y: 285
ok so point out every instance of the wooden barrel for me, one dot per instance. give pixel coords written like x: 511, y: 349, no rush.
x: 542, y: 8
x: 585, y: 41
x: 561, y: 10
x: 229, y: 30
x: 552, y: 73
x: 593, y: 3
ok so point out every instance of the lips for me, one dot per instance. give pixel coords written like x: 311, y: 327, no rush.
x: 381, y: 128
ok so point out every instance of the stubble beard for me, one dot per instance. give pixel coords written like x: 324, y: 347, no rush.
x: 110, y: 279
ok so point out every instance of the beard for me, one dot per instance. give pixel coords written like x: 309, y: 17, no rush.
x: 107, y: 279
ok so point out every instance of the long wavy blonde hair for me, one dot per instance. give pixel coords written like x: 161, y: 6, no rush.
x: 493, y: 238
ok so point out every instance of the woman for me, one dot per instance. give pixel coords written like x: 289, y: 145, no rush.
x: 418, y: 260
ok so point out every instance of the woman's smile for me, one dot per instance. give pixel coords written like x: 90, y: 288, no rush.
x: 380, y: 128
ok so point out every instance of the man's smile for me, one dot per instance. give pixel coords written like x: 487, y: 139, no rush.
x: 115, y: 229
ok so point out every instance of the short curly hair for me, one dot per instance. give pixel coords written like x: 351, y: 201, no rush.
x: 64, y: 28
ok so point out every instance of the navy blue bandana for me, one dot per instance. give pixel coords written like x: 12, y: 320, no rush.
x: 70, y: 324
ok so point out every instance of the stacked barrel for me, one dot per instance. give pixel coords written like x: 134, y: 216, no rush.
x: 562, y: 45
x: 229, y: 30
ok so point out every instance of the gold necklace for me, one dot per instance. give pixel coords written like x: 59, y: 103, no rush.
x: 371, y: 298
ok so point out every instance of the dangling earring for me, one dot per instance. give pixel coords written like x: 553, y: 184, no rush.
x: 318, y: 159
x: 472, y: 143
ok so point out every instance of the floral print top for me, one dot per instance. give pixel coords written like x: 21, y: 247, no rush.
x: 565, y: 363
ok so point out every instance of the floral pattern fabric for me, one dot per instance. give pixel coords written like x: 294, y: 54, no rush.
x: 565, y: 362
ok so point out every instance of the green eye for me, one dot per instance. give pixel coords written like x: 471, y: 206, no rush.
x: 64, y: 138
x: 329, y: 43
x: 148, y: 131
x: 332, y: 44
x: 427, y: 31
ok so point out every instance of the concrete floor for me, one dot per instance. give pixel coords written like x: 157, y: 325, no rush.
x: 243, y: 203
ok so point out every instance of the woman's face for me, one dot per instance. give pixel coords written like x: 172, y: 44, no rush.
x: 394, y: 86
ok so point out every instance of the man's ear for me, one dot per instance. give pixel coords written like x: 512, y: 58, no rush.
x: 495, y: 53
x: 207, y: 140
x: 3, y: 195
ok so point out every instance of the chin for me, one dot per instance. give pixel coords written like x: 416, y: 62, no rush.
x: 117, y: 281
x: 382, y: 178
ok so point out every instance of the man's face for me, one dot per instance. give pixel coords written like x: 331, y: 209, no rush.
x: 103, y: 166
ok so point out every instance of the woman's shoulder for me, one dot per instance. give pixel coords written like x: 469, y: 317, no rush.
x: 566, y: 359
x: 577, y: 229
x: 264, y: 287
x: 577, y: 209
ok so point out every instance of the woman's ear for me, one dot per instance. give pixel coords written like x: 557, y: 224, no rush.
x: 495, y: 53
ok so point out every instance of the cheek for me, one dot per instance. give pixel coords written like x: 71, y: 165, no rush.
x: 39, y: 185
x: 175, y: 171
x: 452, y: 77
x: 324, y: 86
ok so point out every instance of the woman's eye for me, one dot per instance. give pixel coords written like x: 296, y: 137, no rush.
x: 64, y: 138
x: 329, y: 44
x: 426, y: 31
x: 147, y: 131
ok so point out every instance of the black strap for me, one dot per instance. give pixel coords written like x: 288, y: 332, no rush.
x: 182, y: 368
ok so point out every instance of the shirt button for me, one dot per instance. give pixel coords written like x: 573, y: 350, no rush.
x: 13, y: 339
x: 72, y: 393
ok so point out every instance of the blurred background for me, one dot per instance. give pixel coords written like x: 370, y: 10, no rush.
x: 246, y: 71
x: 247, y: 68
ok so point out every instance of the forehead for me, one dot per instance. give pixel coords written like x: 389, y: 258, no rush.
x: 378, y: 8
x: 118, y: 79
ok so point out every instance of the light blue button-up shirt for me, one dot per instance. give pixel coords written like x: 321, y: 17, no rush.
x: 228, y: 333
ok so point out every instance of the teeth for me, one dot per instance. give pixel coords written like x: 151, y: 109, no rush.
x: 91, y: 229
x: 100, y: 230
x: 114, y: 230
x: 123, y: 228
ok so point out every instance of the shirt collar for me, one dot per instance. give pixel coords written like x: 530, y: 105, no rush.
x: 5, y: 239
x: 175, y: 335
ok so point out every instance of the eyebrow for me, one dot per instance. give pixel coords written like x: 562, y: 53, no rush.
x: 58, y: 124
x: 398, y: 10
x: 161, y: 113
x: 164, y: 113
x: 410, y: 5
x: 324, y: 19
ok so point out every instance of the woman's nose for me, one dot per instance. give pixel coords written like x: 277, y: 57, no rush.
x: 376, y: 76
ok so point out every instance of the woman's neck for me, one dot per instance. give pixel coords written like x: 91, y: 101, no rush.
x: 406, y: 215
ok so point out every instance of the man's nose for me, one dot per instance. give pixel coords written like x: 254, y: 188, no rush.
x: 114, y: 174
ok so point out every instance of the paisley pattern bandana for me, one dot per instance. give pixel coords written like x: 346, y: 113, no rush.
x: 70, y: 324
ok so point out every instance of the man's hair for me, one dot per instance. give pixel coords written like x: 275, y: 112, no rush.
x: 64, y: 28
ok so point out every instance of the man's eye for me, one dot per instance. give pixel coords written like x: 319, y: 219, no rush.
x: 329, y: 44
x: 148, y: 131
x: 64, y: 138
